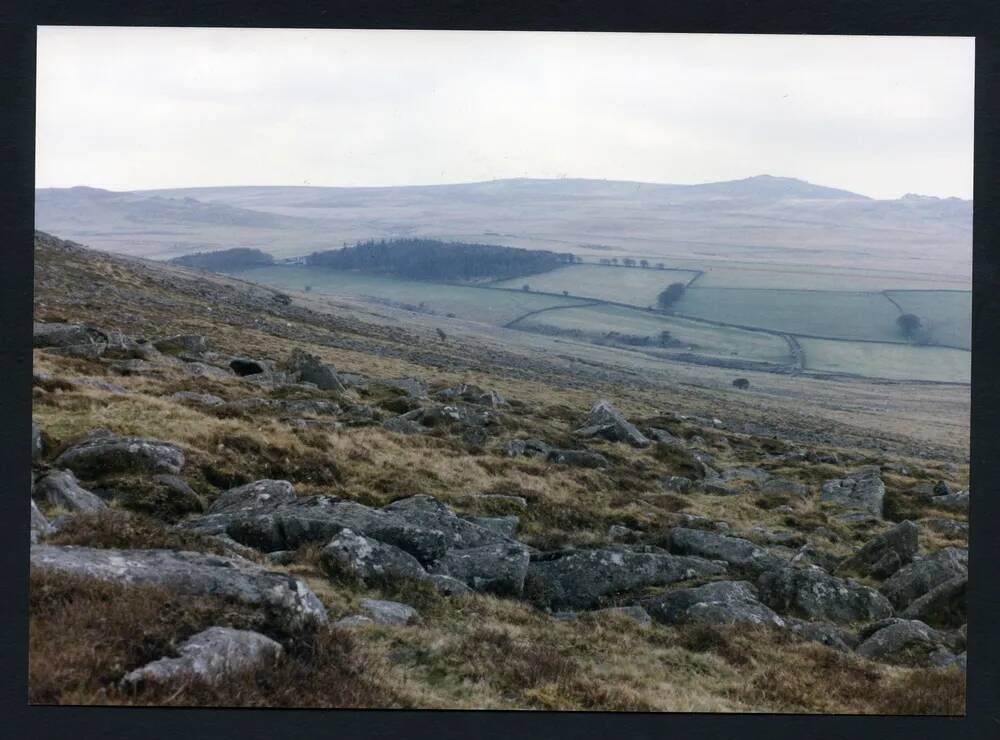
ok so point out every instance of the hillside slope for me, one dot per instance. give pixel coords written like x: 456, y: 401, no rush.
x: 537, y: 548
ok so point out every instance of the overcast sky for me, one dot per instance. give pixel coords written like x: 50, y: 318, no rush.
x: 132, y: 108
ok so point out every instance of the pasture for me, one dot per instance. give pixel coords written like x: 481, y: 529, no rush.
x: 889, y: 361
x: 594, y: 322
x: 635, y: 286
x: 838, y: 315
x: 946, y: 315
x: 496, y: 307
x: 777, y: 276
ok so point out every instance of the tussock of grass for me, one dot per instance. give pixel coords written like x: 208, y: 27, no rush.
x: 114, y: 528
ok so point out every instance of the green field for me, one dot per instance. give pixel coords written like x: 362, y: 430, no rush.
x: 890, y: 361
x: 800, y: 277
x: 946, y: 315
x: 633, y: 285
x: 593, y: 322
x: 838, y: 315
x: 475, y: 304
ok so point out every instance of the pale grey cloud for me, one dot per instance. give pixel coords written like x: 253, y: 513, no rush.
x: 130, y: 108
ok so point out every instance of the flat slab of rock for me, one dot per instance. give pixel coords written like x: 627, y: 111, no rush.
x: 209, y: 656
x: 580, y: 579
x: 61, y: 489
x: 605, y: 421
x: 191, y: 345
x: 71, y: 339
x: 862, y: 491
x: 188, y: 572
x: 720, y: 602
x: 951, y: 501
x: 498, y: 568
x: 308, y: 368
x: 505, y: 526
x: 109, y: 454
x: 740, y: 554
x: 824, y: 633
x: 814, y: 594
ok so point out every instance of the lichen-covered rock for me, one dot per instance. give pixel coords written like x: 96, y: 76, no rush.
x: 183, y: 345
x: 389, y: 612
x: 472, y: 394
x: 942, y: 606
x: 604, y: 420
x: 824, y: 633
x: 885, y: 554
x: 578, y: 458
x: 952, y: 501
x: 505, y: 526
x: 74, y: 340
x: 912, y: 581
x: 428, y: 512
x: 99, y: 456
x: 719, y: 602
x: 901, y: 641
x: 580, y: 579
x: 209, y: 656
x: 527, y: 448
x: 308, y: 368
x: 268, y: 516
x: 814, y: 594
x: 498, y: 568
x: 197, y: 399
x: 742, y: 555
x: 368, y: 560
x: 188, y: 572
x: 861, y: 491
x: 36, y: 441
x: 40, y: 526
x: 61, y: 489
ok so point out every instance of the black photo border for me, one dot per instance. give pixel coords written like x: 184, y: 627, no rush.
x: 18, y: 20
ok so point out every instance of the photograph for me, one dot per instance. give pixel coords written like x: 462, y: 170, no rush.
x: 501, y: 370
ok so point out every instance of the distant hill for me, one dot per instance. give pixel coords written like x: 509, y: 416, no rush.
x: 426, y: 259
x: 763, y: 218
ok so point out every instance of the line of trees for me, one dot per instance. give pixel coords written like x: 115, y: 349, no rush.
x: 429, y: 259
x: 629, y: 262
x: 238, y: 258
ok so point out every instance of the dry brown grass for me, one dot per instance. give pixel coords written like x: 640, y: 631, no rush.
x: 114, y: 528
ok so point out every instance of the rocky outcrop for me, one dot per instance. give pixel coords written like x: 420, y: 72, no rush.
x: 428, y: 512
x: 61, y: 489
x: 304, y: 367
x: 741, y: 555
x: 824, y: 633
x: 505, y: 526
x: 581, y: 579
x: 812, y: 593
x: 268, y: 516
x: 605, y: 421
x: 99, y: 456
x: 368, y: 561
x: 862, y: 491
x: 498, y: 568
x: 472, y: 394
x: 36, y: 441
x: 209, y: 656
x: 720, y: 602
x: 885, y: 554
x: 74, y: 340
x: 921, y: 576
x: 188, y: 572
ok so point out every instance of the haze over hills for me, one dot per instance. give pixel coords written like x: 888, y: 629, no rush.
x: 758, y: 219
